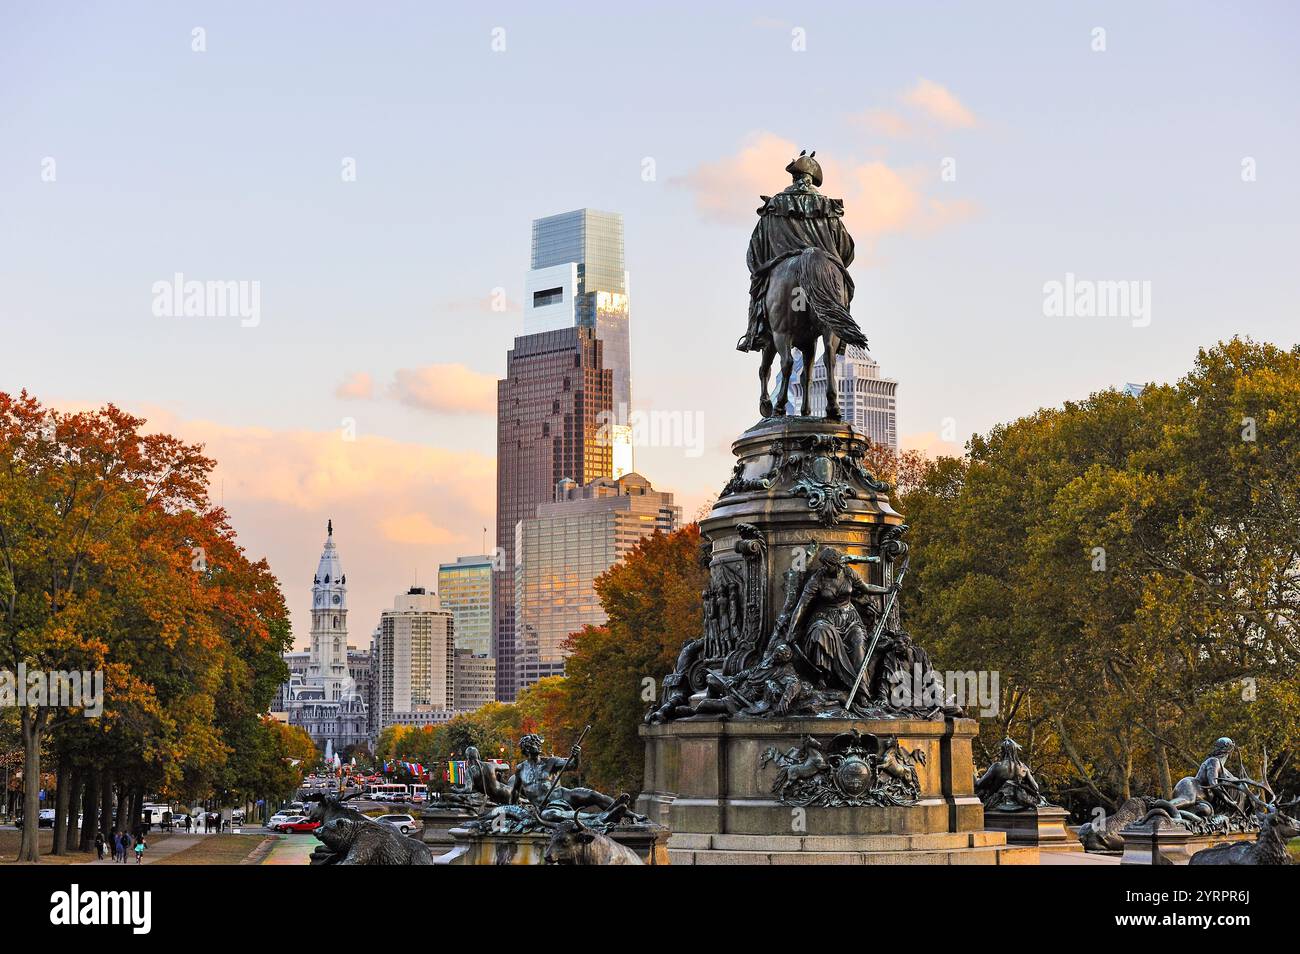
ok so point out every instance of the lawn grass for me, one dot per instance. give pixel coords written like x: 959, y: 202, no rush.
x: 217, y: 850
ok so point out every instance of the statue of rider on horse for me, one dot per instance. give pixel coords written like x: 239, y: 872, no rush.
x: 799, y: 288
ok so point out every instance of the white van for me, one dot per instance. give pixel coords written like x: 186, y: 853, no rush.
x: 153, y: 814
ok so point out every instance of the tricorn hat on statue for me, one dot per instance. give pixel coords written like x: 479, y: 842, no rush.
x: 806, y: 165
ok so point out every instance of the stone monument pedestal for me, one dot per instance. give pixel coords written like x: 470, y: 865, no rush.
x: 707, y: 780
x: 492, y: 848
x: 1043, y: 827
x: 1169, y: 844
x: 438, y: 821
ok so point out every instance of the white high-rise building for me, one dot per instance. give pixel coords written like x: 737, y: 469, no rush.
x: 867, y: 401
x: 416, y: 651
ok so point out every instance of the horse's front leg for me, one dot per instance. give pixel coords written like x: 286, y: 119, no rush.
x: 764, y: 369
x: 830, y: 345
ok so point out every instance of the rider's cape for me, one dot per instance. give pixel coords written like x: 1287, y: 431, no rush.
x: 792, y: 221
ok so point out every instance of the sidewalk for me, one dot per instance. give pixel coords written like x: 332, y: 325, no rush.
x: 1076, y: 858
x: 291, y: 851
x: 164, y: 848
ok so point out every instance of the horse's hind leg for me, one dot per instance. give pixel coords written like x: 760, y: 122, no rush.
x: 787, y: 366
x: 831, y: 344
x: 764, y: 398
x: 809, y: 352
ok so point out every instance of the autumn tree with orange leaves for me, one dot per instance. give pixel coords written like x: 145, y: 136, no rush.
x: 113, y: 559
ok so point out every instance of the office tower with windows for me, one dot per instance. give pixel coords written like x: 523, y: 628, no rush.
x: 867, y: 401
x: 550, y: 408
x: 465, y: 591
x: 415, y: 651
x: 476, y: 684
x: 560, y: 551
x: 578, y: 278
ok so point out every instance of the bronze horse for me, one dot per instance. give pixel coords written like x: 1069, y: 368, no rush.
x: 806, y: 300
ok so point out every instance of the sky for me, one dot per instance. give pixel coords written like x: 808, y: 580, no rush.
x: 372, y: 171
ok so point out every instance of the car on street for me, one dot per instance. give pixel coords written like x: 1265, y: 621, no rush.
x: 299, y: 825
x: 46, y: 818
x: 279, y: 818
x: 403, y: 823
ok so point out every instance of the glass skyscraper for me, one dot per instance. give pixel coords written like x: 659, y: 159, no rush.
x: 561, y: 550
x: 578, y: 279
x: 465, y: 590
x: 550, y: 406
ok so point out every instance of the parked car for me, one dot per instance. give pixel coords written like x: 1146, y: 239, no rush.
x: 300, y: 824
x: 46, y: 818
x: 404, y: 823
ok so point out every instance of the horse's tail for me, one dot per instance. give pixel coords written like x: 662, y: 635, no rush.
x: 823, y: 288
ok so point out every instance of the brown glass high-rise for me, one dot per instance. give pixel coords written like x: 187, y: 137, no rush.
x: 549, y: 418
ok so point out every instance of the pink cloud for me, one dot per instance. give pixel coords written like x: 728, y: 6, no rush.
x: 939, y: 103
x: 885, y: 122
x: 451, y: 388
x: 727, y: 190
x: 415, y: 528
x: 879, y: 199
x: 399, y: 508
x: 358, y: 385
x: 930, y: 444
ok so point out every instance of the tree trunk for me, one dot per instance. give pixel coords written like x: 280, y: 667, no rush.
x: 1162, y: 763
x: 106, y: 803
x: 1077, y: 762
x: 1128, y: 770
x: 74, y: 805
x: 62, y: 783
x: 123, y: 806
x: 29, y: 848
x: 89, y: 810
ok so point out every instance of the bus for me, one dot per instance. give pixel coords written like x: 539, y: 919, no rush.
x: 388, y: 792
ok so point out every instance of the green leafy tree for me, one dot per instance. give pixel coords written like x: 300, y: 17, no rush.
x: 1129, y: 566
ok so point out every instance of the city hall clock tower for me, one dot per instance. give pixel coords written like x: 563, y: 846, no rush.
x: 329, y: 622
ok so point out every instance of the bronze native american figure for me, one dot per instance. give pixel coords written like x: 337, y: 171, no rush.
x: 1009, y: 785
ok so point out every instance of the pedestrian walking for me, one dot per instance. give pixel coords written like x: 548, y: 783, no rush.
x: 99, y: 844
x: 139, y: 848
x: 122, y: 846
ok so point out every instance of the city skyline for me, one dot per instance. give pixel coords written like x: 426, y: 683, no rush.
x: 366, y: 388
